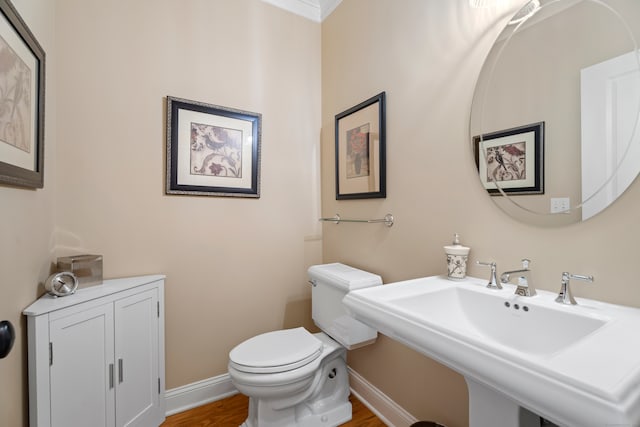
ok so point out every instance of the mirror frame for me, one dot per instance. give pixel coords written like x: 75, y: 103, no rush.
x: 511, y: 205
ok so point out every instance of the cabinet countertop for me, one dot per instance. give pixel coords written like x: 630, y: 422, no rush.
x: 48, y: 303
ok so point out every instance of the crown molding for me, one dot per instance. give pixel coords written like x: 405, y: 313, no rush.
x: 315, y: 10
x: 326, y: 7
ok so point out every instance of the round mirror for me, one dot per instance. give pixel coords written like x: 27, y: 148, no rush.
x: 554, y: 119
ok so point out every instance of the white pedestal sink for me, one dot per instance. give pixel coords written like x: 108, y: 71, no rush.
x: 490, y: 408
x: 574, y: 365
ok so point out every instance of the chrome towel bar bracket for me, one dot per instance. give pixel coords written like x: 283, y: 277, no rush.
x: 387, y: 220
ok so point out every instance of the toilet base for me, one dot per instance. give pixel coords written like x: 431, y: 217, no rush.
x: 325, y: 404
x: 335, y: 417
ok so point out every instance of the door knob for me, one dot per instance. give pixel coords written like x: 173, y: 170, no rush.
x: 7, y: 337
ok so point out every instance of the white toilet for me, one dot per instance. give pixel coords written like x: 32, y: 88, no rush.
x: 298, y: 379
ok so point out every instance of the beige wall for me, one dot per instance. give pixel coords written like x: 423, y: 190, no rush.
x: 426, y: 55
x: 26, y: 228
x: 235, y: 267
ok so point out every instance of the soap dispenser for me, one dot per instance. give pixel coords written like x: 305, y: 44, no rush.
x: 457, y: 256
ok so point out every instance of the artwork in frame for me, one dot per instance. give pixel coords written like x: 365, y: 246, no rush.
x: 212, y: 150
x: 22, y: 80
x: 512, y: 160
x: 360, y: 150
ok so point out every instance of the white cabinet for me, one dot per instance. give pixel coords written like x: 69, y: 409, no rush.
x: 96, y: 358
x: 80, y: 354
x: 136, y: 348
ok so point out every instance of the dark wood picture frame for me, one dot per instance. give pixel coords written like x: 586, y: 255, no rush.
x: 360, y: 134
x: 22, y: 83
x: 511, y: 161
x: 212, y: 150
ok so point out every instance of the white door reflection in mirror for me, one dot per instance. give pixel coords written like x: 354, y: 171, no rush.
x: 609, y: 97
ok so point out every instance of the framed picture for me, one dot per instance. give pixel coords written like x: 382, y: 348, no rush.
x: 212, y: 150
x: 512, y: 160
x: 360, y: 151
x: 22, y: 78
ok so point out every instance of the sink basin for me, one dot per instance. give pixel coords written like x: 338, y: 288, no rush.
x: 574, y: 365
x: 518, y: 325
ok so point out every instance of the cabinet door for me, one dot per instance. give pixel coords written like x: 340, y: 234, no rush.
x: 136, y: 350
x: 81, y: 360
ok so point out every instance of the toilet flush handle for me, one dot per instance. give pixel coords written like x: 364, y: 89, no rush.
x: 313, y: 282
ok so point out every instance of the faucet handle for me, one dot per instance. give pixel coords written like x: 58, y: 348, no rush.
x: 565, y: 296
x: 525, y: 263
x: 493, y: 281
x: 567, y: 276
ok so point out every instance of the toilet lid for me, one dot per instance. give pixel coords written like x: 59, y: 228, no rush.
x: 276, y: 351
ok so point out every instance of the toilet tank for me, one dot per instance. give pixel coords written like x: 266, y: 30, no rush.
x: 331, y: 283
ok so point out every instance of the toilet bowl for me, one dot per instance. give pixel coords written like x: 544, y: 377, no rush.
x: 298, y: 379
x: 318, y: 380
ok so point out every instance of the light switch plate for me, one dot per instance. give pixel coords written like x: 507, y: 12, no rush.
x: 560, y: 205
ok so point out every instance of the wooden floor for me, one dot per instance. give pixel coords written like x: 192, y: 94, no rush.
x: 232, y: 411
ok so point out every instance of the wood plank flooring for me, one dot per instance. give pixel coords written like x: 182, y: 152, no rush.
x: 232, y: 411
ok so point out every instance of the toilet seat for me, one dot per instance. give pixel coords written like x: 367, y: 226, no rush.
x: 276, y: 351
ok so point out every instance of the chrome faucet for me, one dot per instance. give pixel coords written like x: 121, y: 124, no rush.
x: 565, y: 297
x: 525, y: 280
x: 493, y: 281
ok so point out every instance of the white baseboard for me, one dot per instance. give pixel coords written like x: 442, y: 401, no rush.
x: 192, y: 395
x: 392, y: 414
x: 196, y: 394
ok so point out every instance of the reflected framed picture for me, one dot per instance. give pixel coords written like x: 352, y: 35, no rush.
x: 22, y: 80
x: 360, y: 151
x: 212, y: 150
x: 512, y: 160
